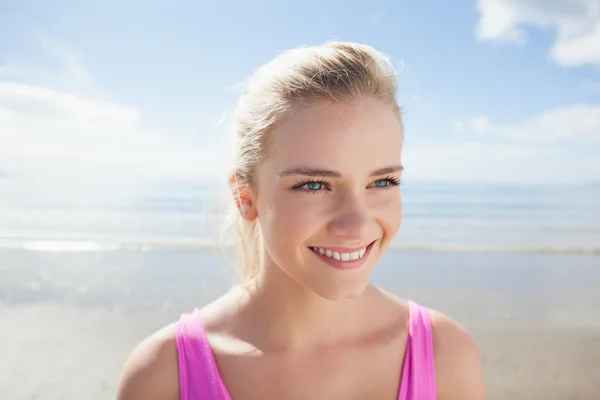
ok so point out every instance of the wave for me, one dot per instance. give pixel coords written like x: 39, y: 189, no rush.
x: 497, y: 248
x: 54, y: 242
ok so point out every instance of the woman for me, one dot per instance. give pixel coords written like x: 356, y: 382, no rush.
x: 316, y: 190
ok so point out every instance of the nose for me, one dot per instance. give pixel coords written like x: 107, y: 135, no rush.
x: 351, y: 219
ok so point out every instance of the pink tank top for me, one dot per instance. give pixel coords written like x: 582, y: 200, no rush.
x: 199, y: 377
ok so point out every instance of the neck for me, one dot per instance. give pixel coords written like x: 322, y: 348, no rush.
x: 293, y: 317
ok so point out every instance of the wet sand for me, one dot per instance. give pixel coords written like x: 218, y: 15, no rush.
x: 68, y: 321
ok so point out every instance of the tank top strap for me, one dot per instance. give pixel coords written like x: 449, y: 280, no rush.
x: 418, y: 376
x: 199, y: 377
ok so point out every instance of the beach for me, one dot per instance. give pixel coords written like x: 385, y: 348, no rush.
x: 68, y: 320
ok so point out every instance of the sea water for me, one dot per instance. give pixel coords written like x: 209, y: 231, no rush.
x: 176, y: 215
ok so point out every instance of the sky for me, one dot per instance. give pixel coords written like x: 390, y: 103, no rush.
x: 495, y: 91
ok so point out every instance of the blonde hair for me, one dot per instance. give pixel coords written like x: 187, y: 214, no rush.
x: 334, y: 72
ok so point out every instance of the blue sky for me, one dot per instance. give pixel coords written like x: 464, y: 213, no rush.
x: 497, y: 90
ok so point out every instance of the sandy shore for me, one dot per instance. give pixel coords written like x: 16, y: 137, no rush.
x: 65, y: 329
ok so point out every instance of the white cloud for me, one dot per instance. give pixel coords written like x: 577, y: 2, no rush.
x: 40, y: 128
x: 480, y: 125
x: 72, y: 132
x: 578, y: 122
x: 576, y: 22
x: 493, y: 163
x: 458, y: 126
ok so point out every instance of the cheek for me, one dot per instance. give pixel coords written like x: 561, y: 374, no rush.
x: 286, y: 221
x: 390, y: 216
x: 284, y: 212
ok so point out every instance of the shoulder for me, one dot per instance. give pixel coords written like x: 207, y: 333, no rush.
x: 151, y: 372
x: 458, y: 366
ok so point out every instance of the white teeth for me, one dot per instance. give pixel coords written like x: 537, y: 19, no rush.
x: 340, y: 256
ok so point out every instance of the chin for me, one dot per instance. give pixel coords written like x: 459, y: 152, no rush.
x: 336, y: 291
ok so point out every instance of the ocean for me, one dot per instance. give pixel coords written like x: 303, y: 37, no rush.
x: 187, y: 216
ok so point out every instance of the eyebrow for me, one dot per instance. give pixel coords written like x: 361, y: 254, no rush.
x: 307, y: 171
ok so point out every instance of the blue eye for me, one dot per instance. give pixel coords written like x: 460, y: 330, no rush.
x: 314, y: 185
x: 386, y: 183
x: 311, y: 186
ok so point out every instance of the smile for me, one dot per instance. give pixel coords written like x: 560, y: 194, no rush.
x: 343, y: 258
x: 355, y: 255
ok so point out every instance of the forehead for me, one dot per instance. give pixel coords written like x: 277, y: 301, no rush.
x: 349, y: 137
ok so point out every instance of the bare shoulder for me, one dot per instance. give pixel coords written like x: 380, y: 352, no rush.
x: 151, y: 372
x: 458, y: 366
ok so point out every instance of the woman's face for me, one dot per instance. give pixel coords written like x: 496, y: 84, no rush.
x: 327, y: 194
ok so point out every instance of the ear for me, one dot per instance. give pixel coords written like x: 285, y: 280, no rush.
x: 242, y: 198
